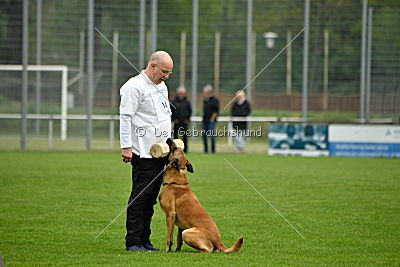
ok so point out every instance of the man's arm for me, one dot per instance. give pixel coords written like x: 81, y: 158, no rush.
x: 128, y: 107
x: 214, y: 115
x: 189, y: 109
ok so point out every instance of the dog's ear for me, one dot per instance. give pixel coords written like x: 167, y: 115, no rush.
x: 171, y: 144
x: 169, y: 141
x: 189, y: 167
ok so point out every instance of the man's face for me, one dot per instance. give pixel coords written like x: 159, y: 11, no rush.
x: 181, y: 94
x: 161, y: 71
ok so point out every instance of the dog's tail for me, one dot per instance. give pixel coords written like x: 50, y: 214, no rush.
x: 235, y: 248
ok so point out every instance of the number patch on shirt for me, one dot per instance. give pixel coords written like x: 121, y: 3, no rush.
x: 162, y: 107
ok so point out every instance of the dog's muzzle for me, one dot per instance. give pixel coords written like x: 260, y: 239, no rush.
x: 175, y: 163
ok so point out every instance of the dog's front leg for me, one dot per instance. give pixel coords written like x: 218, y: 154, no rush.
x: 179, y: 240
x: 171, y: 217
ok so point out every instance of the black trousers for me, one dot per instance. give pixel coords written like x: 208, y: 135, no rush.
x: 180, y: 130
x: 140, y: 211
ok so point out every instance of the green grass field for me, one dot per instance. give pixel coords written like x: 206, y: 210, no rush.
x: 53, y: 204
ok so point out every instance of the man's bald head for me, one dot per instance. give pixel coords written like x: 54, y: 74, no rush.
x: 160, y: 57
x: 159, y: 67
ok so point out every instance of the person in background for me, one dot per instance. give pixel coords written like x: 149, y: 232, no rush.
x: 241, y: 108
x: 210, y: 114
x: 181, y: 112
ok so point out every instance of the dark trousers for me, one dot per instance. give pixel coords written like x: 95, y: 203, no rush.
x: 140, y: 211
x: 208, y: 130
x: 180, y: 130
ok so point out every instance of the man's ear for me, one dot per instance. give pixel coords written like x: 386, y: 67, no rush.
x: 189, y: 167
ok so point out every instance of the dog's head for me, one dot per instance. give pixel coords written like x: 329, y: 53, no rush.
x: 177, y: 158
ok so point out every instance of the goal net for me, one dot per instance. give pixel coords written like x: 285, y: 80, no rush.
x: 11, y: 79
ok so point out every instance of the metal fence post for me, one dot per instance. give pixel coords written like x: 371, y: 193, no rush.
x: 111, y: 133
x: 142, y: 22
x: 182, y: 60
x: 363, y: 60
x: 89, y: 109
x: 50, y: 137
x: 217, y: 62
x: 305, y: 59
x: 369, y: 59
x: 38, y: 62
x: 325, y: 94
x: 64, y: 103
x: 114, y: 78
x: 249, y: 46
x: 194, y: 54
x: 82, y: 77
x: 289, y: 63
x: 24, y: 106
x: 153, y: 25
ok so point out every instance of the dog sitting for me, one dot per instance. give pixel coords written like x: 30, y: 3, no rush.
x: 183, y: 209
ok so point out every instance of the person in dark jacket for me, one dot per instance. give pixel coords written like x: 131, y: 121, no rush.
x: 181, y: 112
x: 241, y: 108
x: 210, y: 114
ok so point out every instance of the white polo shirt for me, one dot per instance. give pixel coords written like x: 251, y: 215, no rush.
x: 145, y: 114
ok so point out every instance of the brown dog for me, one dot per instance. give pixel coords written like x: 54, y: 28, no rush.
x: 182, y: 208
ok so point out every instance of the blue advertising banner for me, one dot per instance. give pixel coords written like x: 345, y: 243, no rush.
x: 298, y: 139
x: 364, y: 141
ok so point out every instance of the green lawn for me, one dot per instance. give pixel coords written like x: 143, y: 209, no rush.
x: 53, y: 204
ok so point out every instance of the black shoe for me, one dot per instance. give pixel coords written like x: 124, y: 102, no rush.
x: 149, y: 246
x: 137, y: 248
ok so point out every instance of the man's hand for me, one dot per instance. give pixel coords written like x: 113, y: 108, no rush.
x: 213, y: 117
x: 127, y: 154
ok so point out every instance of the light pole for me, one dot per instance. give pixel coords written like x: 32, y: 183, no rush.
x: 270, y: 39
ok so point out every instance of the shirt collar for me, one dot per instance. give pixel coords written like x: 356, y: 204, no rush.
x: 146, y: 78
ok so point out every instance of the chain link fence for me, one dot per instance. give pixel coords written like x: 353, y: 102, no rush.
x: 58, y: 36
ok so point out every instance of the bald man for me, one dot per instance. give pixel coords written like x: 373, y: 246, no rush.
x: 145, y: 119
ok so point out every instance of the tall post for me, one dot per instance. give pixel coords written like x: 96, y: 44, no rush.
x: 89, y: 109
x: 38, y: 62
x: 24, y: 106
x: 217, y: 60
x: 114, y: 78
x: 64, y: 103
x: 363, y: 59
x: 195, y: 24
x: 326, y: 71
x: 369, y: 59
x: 254, y: 60
x: 142, y: 33
x: 249, y: 48
x: 289, y: 63
x: 305, y: 59
x: 148, y: 44
x: 153, y: 26
x: 81, y: 84
x: 182, y: 60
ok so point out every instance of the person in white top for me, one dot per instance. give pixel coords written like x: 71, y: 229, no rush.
x: 145, y: 119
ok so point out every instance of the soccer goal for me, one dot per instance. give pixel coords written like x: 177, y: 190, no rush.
x: 64, y: 87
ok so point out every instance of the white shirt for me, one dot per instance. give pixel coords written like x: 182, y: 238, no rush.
x: 145, y: 114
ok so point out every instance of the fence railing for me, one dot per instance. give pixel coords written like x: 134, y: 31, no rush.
x: 194, y: 119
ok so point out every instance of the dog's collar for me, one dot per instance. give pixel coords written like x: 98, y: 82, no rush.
x: 174, y: 183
